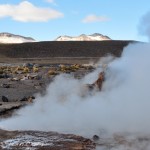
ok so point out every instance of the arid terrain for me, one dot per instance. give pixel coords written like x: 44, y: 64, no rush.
x: 43, y: 141
x: 61, y: 52
x: 27, y: 69
x: 19, y: 83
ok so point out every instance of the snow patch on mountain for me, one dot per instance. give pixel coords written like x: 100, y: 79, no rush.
x: 12, y: 38
x: 84, y: 37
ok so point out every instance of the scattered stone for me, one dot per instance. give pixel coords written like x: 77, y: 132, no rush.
x: 5, y: 85
x: 24, y: 82
x: 37, y: 65
x: 30, y: 99
x: 15, y: 79
x: 25, y: 78
x: 33, y: 76
x: 24, y: 99
x: 4, y: 99
x: 95, y: 137
x: 29, y: 65
x: 98, y: 83
x: 5, y: 76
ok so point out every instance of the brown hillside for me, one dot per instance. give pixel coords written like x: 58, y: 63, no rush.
x: 63, y: 49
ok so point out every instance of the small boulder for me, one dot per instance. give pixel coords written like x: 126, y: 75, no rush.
x: 29, y: 65
x: 95, y: 137
x: 5, y: 85
x: 24, y: 99
x: 30, y: 99
x: 4, y: 99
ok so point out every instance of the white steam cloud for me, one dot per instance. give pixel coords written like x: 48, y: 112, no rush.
x: 121, y: 106
x: 145, y: 25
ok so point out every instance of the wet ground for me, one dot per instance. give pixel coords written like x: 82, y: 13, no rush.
x: 36, y: 140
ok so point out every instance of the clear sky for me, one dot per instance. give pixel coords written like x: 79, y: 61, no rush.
x: 48, y: 19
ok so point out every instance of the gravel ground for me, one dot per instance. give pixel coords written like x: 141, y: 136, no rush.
x: 23, y: 85
x: 36, y: 140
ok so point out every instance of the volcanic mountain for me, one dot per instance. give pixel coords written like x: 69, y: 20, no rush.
x: 12, y: 38
x: 84, y: 37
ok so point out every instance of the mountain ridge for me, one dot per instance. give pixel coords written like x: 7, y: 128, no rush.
x: 6, y: 37
x: 84, y: 37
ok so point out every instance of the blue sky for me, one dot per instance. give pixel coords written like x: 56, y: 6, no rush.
x: 48, y: 19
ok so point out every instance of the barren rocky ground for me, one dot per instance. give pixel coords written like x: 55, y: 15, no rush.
x: 63, y: 49
x: 19, y: 83
x: 36, y: 140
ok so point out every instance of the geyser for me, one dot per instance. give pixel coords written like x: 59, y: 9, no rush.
x: 144, y: 26
x: 121, y: 106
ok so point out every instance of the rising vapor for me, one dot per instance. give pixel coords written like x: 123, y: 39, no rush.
x: 121, y: 106
x: 144, y: 26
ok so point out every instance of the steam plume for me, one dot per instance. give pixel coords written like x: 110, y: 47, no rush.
x: 145, y: 25
x: 123, y: 104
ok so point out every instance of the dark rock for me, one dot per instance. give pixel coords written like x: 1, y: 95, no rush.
x: 4, y: 99
x: 7, y: 109
x: 98, y: 83
x: 95, y: 137
x: 5, y: 76
x: 5, y: 85
x: 29, y: 65
x: 90, y: 86
x: 24, y: 99
x: 36, y: 65
x: 29, y: 99
x: 32, y: 97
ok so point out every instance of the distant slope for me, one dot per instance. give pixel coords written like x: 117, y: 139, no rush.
x: 12, y: 38
x: 84, y: 37
x: 63, y: 49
